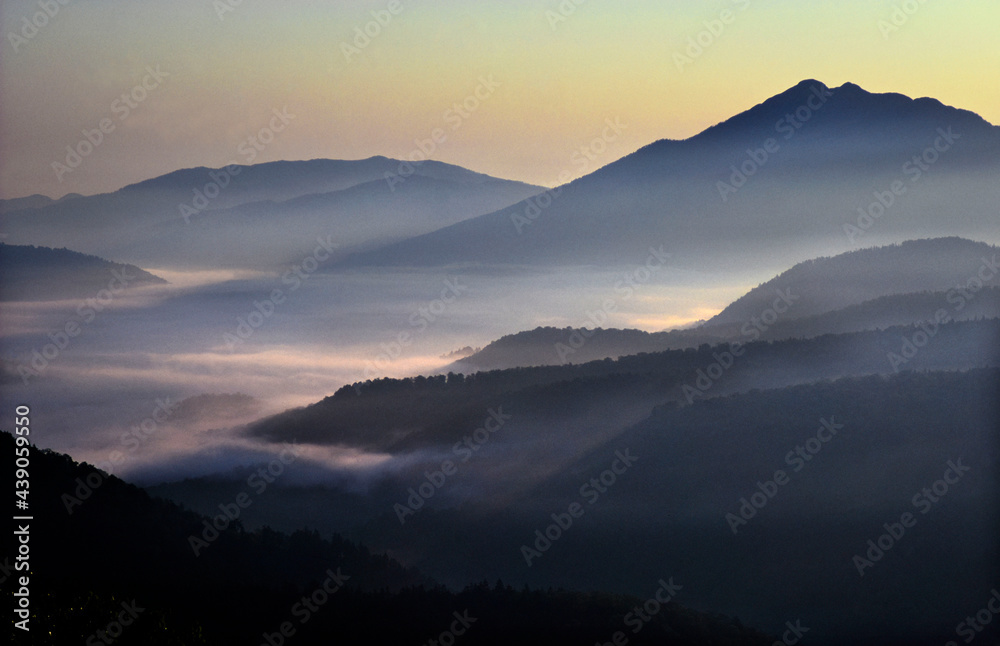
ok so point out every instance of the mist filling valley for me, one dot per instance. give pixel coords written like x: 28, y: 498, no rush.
x: 757, y: 368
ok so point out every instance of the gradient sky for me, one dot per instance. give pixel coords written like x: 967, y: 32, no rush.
x: 558, y: 82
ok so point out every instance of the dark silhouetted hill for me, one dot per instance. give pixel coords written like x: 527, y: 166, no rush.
x: 400, y: 415
x: 120, y: 546
x: 887, y: 440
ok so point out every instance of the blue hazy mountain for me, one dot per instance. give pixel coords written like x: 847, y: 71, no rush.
x: 32, y: 202
x: 812, y: 171
x: 252, y: 216
x: 826, y: 284
x: 867, y: 289
x: 44, y: 274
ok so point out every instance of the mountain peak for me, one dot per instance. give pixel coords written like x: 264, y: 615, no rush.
x: 809, y: 84
x: 845, y: 111
x: 852, y: 87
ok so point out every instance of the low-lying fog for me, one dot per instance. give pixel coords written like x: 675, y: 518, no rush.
x: 287, y: 340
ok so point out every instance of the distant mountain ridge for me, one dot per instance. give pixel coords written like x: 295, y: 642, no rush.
x: 282, y: 180
x: 860, y: 290
x: 830, y: 283
x: 832, y: 151
x: 551, y: 346
x: 32, y: 202
x: 791, y: 173
x: 363, y: 216
x: 197, y: 217
x: 40, y: 274
x: 889, y: 114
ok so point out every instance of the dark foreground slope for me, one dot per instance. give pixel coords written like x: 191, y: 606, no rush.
x: 121, y: 555
x: 788, y: 555
x: 763, y: 504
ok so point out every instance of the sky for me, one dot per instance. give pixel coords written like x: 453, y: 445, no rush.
x: 511, y: 88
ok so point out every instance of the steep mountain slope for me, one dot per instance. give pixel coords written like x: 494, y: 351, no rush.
x: 547, y: 346
x: 827, y: 284
x: 873, y: 447
x: 778, y: 183
x: 129, y: 551
x: 860, y: 290
x: 403, y: 415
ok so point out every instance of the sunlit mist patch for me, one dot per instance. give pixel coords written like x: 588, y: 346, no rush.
x: 672, y: 322
x: 188, y: 279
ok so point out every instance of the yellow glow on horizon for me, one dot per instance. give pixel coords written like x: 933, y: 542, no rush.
x: 558, y: 81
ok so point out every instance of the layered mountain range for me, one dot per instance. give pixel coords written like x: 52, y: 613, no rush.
x: 822, y: 449
x: 263, y: 215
